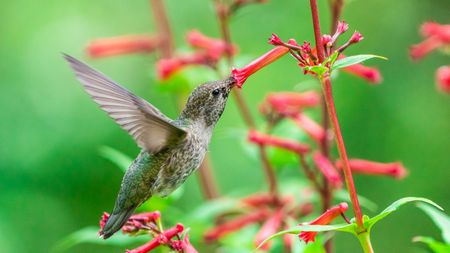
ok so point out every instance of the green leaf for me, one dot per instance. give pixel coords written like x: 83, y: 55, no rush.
x: 332, y: 58
x: 440, y: 219
x: 90, y: 235
x: 394, y: 207
x: 350, y: 228
x: 354, y: 59
x: 319, y: 70
x: 435, y: 246
x: 121, y: 160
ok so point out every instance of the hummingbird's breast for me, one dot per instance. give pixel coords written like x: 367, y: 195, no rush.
x: 180, y: 160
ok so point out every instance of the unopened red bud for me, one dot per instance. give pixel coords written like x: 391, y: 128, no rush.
x: 356, y: 37
x: 396, y: 169
x: 275, y: 40
x: 265, y: 139
x: 122, y: 45
x: 328, y: 170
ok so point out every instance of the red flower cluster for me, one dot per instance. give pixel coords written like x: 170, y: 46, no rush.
x: 208, y: 52
x: 307, y: 56
x: 265, y: 209
x: 149, y: 223
x: 437, y: 36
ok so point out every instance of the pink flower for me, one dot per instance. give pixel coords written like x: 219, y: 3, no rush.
x: 259, y: 200
x: 187, y: 246
x: 242, y: 74
x: 163, y: 238
x: 371, y: 74
x: 323, y: 219
x: 265, y: 139
x: 443, y: 79
x: 235, y: 224
x: 436, y: 36
x: 269, y: 228
x: 140, y: 221
x: 122, y: 45
x: 103, y: 220
x: 312, y: 128
x: 328, y: 170
x: 215, y: 48
x: 395, y: 169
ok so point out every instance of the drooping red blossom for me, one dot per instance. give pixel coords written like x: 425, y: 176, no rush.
x: 328, y: 170
x: 235, y: 224
x: 288, y: 103
x: 187, y: 246
x: 167, y: 67
x: 443, y: 79
x: 120, y: 45
x: 323, y: 219
x: 396, y: 169
x: 259, y: 200
x: 370, y: 74
x: 269, y: 228
x: 242, y: 74
x: 311, y: 128
x: 215, y: 48
x: 163, y: 238
x: 140, y: 221
x: 265, y: 139
x: 436, y: 36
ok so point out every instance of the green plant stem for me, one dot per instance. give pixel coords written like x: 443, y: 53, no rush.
x: 328, y: 94
x: 206, y: 177
x: 364, y: 240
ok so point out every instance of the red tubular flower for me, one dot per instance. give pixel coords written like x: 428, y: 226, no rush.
x: 269, y: 228
x: 122, y: 45
x: 275, y: 40
x: 323, y: 219
x: 140, y: 221
x: 288, y: 103
x: 265, y: 139
x: 163, y: 238
x: 418, y: 51
x: 443, y: 79
x: 242, y: 74
x: 356, y: 37
x: 328, y: 170
x: 258, y: 200
x: 235, y: 224
x: 437, y: 36
x: 370, y: 74
x: 215, y: 48
x: 312, y: 128
x: 167, y: 67
x: 395, y: 169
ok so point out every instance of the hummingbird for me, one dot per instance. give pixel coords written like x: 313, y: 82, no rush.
x: 170, y: 149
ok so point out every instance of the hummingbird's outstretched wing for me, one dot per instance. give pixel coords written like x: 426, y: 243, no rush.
x: 151, y: 129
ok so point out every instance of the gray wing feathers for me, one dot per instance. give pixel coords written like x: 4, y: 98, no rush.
x: 151, y: 129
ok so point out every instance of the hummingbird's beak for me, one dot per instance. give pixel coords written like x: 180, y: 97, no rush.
x: 231, y: 82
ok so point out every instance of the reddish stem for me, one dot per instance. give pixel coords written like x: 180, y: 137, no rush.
x: 223, y: 15
x: 207, y: 180
x: 328, y: 94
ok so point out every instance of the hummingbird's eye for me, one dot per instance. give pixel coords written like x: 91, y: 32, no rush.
x: 215, y: 92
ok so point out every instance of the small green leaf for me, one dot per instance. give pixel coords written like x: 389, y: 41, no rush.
x: 121, y: 160
x: 319, y: 70
x: 332, y: 58
x: 354, y: 59
x: 90, y: 235
x: 435, y: 246
x: 440, y: 219
x: 350, y: 228
x: 397, y: 204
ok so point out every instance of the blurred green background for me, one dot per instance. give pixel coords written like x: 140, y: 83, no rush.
x: 53, y: 181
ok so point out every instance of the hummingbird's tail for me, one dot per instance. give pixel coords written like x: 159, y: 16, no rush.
x: 116, y: 221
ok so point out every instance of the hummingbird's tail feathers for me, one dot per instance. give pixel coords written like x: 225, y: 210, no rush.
x: 116, y: 221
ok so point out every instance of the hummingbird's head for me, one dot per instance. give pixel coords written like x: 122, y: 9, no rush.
x: 207, y: 102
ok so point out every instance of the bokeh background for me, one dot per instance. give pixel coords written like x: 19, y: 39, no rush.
x: 53, y: 181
